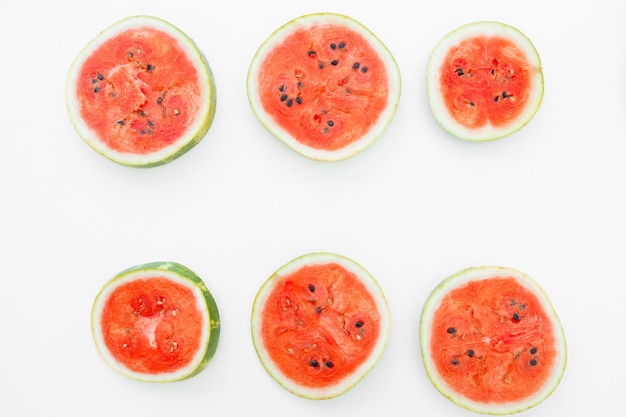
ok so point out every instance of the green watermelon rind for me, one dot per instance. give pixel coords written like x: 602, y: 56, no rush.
x: 437, y: 105
x: 196, y: 131
x: 395, y: 87
x: 350, y: 380
x: 478, y: 273
x: 208, y: 306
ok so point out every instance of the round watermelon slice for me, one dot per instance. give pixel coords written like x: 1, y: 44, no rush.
x: 156, y: 322
x: 325, y: 85
x: 484, y: 81
x: 491, y: 341
x: 141, y: 93
x: 320, y: 324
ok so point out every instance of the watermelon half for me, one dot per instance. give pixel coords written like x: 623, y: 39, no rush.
x: 491, y: 341
x: 319, y: 324
x: 141, y: 93
x: 484, y: 81
x: 325, y: 85
x: 156, y: 322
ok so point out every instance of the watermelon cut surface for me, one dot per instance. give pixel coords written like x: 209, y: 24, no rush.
x: 156, y: 322
x: 141, y: 93
x: 491, y: 340
x: 320, y: 324
x: 484, y: 81
x: 325, y: 85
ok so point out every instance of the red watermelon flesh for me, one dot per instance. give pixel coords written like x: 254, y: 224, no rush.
x: 491, y: 340
x: 325, y: 85
x: 320, y: 324
x: 156, y: 322
x: 141, y: 93
x: 484, y: 81
x: 152, y: 325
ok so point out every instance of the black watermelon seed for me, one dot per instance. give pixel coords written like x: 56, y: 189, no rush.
x: 150, y: 123
x: 330, y: 123
x: 505, y: 94
x: 451, y: 330
x: 356, y: 65
x: 333, y: 46
x: 342, y: 45
x: 533, y: 362
x: 516, y: 317
x: 318, y: 309
x: 150, y: 67
x: 496, y: 98
x: 100, y: 77
x: 281, y: 88
x: 334, y: 62
x: 93, y: 81
x: 95, y: 90
x: 533, y: 350
x: 460, y: 72
x: 454, y: 361
x: 470, y: 353
x: 160, y: 100
x: 358, y: 324
x: 289, y: 103
x: 364, y: 70
x: 329, y: 364
x: 120, y: 122
x: 299, y: 100
x: 320, y: 65
x: 283, y: 97
x: 314, y: 363
x: 311, y: 53
x: 311, y: 287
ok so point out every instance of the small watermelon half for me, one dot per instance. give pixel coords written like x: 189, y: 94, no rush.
x: 484, y: 81
x: 324, y: 85
x: 319, y: 324
x: 156, y: 322
x: 491, y: 340
x: 141, y: 93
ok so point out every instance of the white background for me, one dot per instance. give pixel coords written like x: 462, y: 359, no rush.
x: 415, y: 207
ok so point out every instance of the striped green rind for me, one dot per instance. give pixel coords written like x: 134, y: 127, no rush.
x: 183, y: 274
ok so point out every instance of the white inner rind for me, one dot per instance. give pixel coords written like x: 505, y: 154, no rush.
x: 480, y: 273
x: 435, y: 96
x: 350, y: 380
x: 205, y: 80
x: 123, y: 279
x: 366, y: 140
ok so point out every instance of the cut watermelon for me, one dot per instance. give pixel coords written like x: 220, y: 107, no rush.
x: 491, y: 340
x: 320, y: 324
x: 484, y: 81
x: 141, y: 93
x: 156, y: 322
x: 324, y: 85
